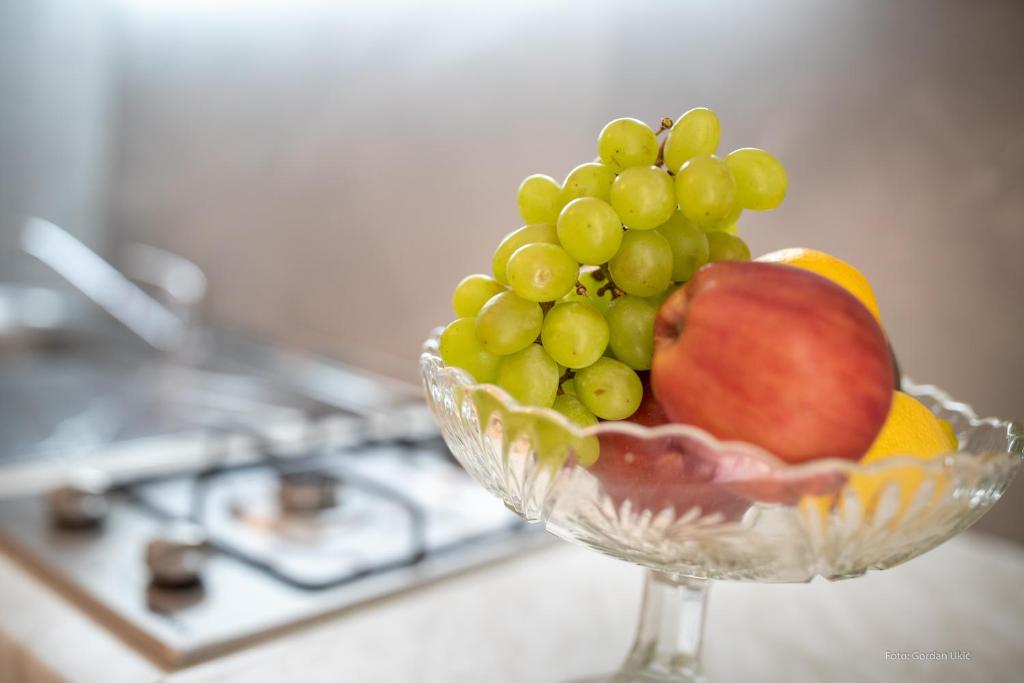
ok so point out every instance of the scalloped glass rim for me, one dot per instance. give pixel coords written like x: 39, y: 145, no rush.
x: 772, y: 463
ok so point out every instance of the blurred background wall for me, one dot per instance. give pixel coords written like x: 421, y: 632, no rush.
x: 56, y: 101
x: 337, y: 167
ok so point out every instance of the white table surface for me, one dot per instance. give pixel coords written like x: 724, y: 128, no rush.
x: 563, y: 612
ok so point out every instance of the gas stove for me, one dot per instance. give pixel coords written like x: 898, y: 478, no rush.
x: 230, y: 519
x: 191, y: 565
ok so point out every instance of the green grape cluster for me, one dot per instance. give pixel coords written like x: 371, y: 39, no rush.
x: 566, y: 318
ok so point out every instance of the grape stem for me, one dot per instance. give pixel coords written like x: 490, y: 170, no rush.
x: 603, y: 273
x: 610, y: 287
x: 666, y: 124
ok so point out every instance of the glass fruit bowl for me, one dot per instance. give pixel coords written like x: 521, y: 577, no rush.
x: 692, y: 509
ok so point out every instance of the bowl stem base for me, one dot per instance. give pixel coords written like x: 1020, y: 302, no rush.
x: 667, y: 648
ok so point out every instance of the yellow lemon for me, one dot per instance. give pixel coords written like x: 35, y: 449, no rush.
x: 909, y: 430
x: 828, y: 266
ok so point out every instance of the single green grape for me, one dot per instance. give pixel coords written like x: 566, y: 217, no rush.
x: 705, y: 190
x: 631, y: 330
x: 530, y: 376
x: 508, y: 323
x: 643, y: 264
x: 625, y: 143
x: 689, y: 246
x: 760, y: 178
x: 644, y: 197
x: 694, y: 134
x: 460, y: 348
x: 593, y: 286
x: 541, y: 272
x: 723, y: 246
x: 472, y: 293
x: 592, y: 179
x: 590, y: 230
x: 574, y: 334
x: 569, y: 387
x: 610, y: 389
x: 556, y: 444
x: 539, y: 199
x: 528, y: 234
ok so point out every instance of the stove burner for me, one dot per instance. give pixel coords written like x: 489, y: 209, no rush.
x: 175, y: 557
x: 81, y: 502
x: 307, y: 492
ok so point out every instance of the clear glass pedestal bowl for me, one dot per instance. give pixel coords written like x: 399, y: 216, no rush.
x: 692, y: 509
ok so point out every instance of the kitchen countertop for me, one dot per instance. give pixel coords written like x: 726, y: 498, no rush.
x: 563, y: 612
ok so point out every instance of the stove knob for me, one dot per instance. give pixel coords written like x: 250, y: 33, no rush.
x: 81, y: 501
x: 176, y: 556
x: 307, y: 492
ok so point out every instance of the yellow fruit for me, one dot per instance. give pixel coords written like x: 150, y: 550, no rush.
x: 828, y: 266
x: 909, y: 430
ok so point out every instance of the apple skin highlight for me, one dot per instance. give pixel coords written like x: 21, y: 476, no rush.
x: 774, y: 356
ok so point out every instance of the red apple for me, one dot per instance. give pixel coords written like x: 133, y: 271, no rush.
x: 774, y: 356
